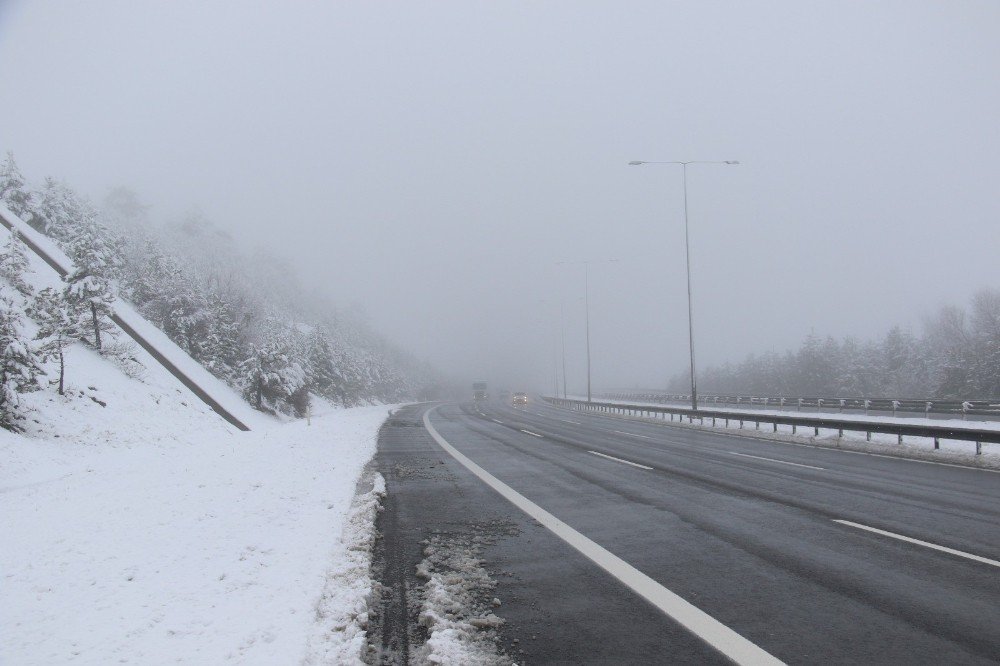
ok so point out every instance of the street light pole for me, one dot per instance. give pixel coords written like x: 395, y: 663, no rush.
x: 562, y: 335
x: 586, y: 288
x: 586, y: 295
x: 687, y: 261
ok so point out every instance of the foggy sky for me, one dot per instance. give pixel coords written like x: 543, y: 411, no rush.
x: 433, y: 160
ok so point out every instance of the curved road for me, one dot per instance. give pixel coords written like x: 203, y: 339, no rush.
x: 812, y: 555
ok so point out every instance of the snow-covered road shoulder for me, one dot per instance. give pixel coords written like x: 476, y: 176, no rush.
x: 206, y: 546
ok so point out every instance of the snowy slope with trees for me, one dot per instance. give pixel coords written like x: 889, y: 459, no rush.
x: 139, y: 527
x: 246, y: 320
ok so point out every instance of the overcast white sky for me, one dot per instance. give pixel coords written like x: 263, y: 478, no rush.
x: 432, y: 160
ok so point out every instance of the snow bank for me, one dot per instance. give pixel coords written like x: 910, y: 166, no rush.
x: 149, y: 531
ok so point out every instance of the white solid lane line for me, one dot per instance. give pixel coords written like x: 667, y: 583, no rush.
x: 619, y: 460
x: 926, y: 544
x: 775, y: 460
x: 695, y: 620
x: 631, y: 434
x: 528, y: 432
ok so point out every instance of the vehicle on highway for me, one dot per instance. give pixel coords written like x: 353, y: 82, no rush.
x: 520, y: 399
x: 479, y: 393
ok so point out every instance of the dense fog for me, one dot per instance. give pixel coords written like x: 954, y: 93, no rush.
x: 444, y: 167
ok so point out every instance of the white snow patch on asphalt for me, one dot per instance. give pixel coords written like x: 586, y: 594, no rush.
x: 457, y: 605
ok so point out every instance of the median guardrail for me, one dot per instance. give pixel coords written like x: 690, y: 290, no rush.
x: 925, y: 406
x: 937, y: 433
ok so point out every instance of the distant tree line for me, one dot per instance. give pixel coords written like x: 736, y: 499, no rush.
x: 956, y: 355
x: 246, y: 319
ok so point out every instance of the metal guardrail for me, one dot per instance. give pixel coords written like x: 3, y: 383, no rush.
x: 937, y: 433
x: 894, y: 405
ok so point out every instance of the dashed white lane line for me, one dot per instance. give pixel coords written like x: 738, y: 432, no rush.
x: 568, y: 421
x: 528, y: 432
x: 701, y: 624
x: 631, y: 434
x: 497, y: 421
x: 775, y: 460
x: 627, y: 462
x: 926, y: 544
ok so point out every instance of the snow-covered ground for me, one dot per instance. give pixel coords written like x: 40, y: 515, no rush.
x: 149, y: 531
x: 139, y: 527
x: 922, y: 447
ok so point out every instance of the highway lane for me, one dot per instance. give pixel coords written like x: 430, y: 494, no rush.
x: 745, y: 530
x: 558, y: 608
x: 934, y: 501
x: 779, y: 517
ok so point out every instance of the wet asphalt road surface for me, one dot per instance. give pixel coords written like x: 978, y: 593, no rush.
x: 744, y: 529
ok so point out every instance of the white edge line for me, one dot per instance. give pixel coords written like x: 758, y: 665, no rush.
x: 695, y: 620
x: 943, y: 549
x: 627, y: 462
x: 775, y: 460
x: 534, y: 434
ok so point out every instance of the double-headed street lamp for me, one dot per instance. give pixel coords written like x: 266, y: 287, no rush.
x: 687, y: 256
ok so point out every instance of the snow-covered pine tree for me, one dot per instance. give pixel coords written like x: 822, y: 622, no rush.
x: 19, y: 368
x: 89, y: 288
x: 13, y: 191
x: 271, y: 378
x: 14, y: 262
x: 57, y: 211
x: 57, y: 328
x: 222, y: 346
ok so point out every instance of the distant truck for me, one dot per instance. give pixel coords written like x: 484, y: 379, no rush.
x: 479, y: 393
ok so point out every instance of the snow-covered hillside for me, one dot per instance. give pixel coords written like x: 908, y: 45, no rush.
x: 140, y: 527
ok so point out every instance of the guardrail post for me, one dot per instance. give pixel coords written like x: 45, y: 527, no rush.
x: 727, y: 421
x: 775, y: 426
x: 799, y: 408
x: 979, y: 448
x: 816, y: 433
x: 937, y: 443
x: 713, y: 421
x: 868, y: 436
x: 895, y: 406
x: 899, y: 439
x: 756, y: 425
x: 842, y: 402
x: 741, y: 424
x: 966, y: 406
x: 793, y: 428
x: 868, y: 404
x: 927, y: 410
x: 840, y: 433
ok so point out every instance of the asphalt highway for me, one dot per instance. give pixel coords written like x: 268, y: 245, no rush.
x: 810, y: 555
